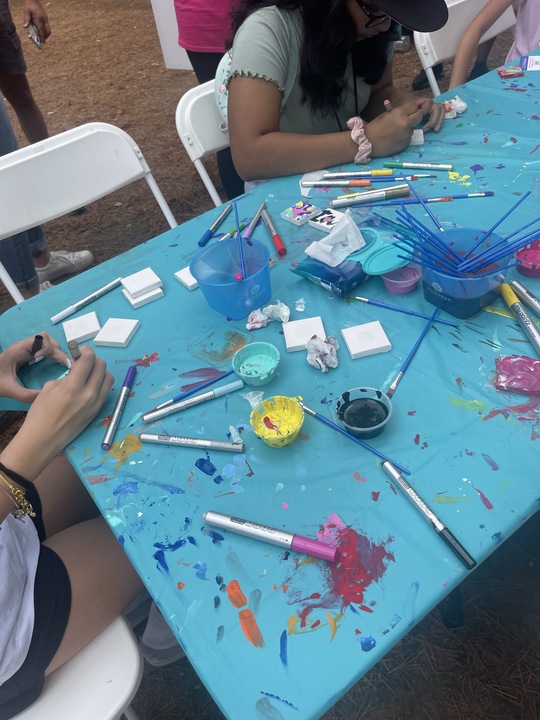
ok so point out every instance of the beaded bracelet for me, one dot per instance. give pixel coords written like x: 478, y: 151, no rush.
x: 358, y: 135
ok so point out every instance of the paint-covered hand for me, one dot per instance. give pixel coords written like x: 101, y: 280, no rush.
x: 19, y: 354
x: 59, y: 414
x: 391, y: 132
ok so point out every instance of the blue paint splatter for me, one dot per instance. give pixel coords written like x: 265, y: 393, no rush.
x: 497, y: 537
x: 276, y: 697
x: 217, y: 602
x: 367, y: 643
x: 200, y: 568
x: 476, y: 168
x: 216, y: 539
x: 172, y: 489
x: 159, y: 557
x: 219, y: 579
x: 205, y: 466
x: 192, y: 540
x: 283, y: 648
x: 171, y: 545
x: 218, y: 479
x: 220, y: 633
x: 127, y: 487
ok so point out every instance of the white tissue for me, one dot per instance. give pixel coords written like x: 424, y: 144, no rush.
x: 322, y: 354
x: 454, y: 107
x: 343, y: 240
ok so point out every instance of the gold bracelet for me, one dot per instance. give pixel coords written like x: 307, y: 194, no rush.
x: 18, y: 498
x: 17, y: 513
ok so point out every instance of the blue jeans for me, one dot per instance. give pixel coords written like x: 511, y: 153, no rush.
x: 16, y: 251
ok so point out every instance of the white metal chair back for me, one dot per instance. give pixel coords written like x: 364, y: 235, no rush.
x: 442, y: 44
x: 51, y: 178
x: 200, y: 128
x: 98, y: 683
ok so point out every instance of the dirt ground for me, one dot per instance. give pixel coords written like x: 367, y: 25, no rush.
x: 103, y: 62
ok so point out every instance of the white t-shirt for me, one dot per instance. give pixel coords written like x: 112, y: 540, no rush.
x: 19, y: 553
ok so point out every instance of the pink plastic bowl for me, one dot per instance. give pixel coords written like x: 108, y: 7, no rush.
x: 402, y: 280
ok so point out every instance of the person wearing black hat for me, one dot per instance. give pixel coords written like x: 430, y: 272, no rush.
x: 310, y: 83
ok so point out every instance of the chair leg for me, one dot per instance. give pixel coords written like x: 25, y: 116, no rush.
x: 130, y: 714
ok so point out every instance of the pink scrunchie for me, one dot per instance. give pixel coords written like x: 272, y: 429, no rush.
x: 356, y: 126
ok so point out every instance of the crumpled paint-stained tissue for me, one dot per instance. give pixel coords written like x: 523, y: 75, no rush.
x: 322, y: 354
x: 261, y: 317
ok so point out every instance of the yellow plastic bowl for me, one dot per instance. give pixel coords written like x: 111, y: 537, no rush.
x: 277, y: 421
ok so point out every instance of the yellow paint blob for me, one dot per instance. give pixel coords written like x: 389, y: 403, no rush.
x: 122, y: 449
x: 277, y: 420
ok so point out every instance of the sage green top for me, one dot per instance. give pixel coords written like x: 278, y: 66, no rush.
x: 268, y: 45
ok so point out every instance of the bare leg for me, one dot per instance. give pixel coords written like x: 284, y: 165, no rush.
x: 103, y: 581
x: 19, y: 95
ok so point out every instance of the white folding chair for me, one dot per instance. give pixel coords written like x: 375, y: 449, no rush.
x: 200, y: 128
x: 434, y: 47
x: 98, y: 683
x: 51, y: 178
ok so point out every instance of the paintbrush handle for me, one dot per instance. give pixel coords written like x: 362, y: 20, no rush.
x: 388, y: 306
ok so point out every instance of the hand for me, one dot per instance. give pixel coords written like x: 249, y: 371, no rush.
x: 436, y: 114
x: 59, y: 414
x: 391, y: 132
x: 19, y: 354
x: 34, y: 12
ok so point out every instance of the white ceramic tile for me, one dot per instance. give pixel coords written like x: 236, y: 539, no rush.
x: 141, y: 300
x: 298, y: 332
x: 141, y: 282
x: 366, y: 339
x: 326, y: 220
x: 117, y: 332
x: 82, y: 328
x: 186, y: 278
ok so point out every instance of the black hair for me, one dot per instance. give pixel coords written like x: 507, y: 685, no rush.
x: 329, y: 37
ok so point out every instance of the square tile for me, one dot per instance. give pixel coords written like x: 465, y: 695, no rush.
x: 298, y: 332
x: 117, y: 332
x: 186, y: 278
x: 141, y: 300
x: 82, y: 328
x: 366, y: 339
x: 141, y: 282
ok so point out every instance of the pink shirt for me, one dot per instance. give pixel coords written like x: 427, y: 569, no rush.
x: 203, y: 26
x: 527, y: 34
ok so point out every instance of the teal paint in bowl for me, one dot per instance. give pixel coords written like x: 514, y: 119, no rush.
x: 257, y: 363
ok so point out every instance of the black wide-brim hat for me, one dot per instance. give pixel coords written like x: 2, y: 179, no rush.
x: 420, y: 15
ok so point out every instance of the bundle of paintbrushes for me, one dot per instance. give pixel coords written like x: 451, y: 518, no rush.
x: 429, y: 249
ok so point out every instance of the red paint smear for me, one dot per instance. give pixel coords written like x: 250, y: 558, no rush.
x: 529, y: 408
x: 146, y: 360
x: 365, y: 608
x: 358, y: 477
x: 360, y: 563
x: 235, y: 594
x: 411, y: 412
x: 204, y: 374
x: 357, y: 632
x: 375, y: 496
x: 270, y: 425
x: 534, y: 150
x: 417, y: 439
x: 392, y: 487
x: 535, y: 117
x: 316, y: 624
x: 484, y: 499
x: 250, y: 473
x: 459, y: 383
x: 486, y: 140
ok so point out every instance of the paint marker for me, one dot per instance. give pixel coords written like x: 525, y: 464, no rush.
x: 74, y: 349
x: 522, y: 316
x: 197, y: 443
x: 191, y: 402
x: 187, y: 393
x: 359, y: 173
x: 214, y: 226
x: 119, y: 408
x: 370, y: 195
x: 385, y: 176
x: 276, y: 239
x: 443, y: 198
x: 274, y: 536
x: 388, y: 106
x: 36, y: 347
x: 417, y: 165
x: 253, y: 222
x: 441, y: 529
x: 85, y: 301
x: 526, y: 295
x: 352, y: 182
x: 232, y: 232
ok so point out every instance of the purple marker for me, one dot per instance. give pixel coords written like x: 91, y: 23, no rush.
x: 298, y: 543
x: 119, y: 408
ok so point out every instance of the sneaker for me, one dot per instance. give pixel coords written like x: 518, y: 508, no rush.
x: 45, y: 286
x: 161, y: 657
x: 64, y: 263
x: 420, y: 81
x: 403, y: 44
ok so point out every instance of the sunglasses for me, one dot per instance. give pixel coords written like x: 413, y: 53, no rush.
x: 373, y: 20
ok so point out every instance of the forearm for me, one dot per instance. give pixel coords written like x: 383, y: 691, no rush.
x: 464, y: 58
x: 27, y: 458
x: 277, y: 154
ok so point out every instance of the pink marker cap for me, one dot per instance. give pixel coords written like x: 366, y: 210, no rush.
x: 315, y: 548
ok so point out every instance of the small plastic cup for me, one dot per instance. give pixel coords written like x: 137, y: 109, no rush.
x: 364, y: 411
x: 277, y: 421
x: 256, y: 363
x: 529, y: 260
x: 216, y: 267
x: 402, y: 281
x: 463, y: 297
